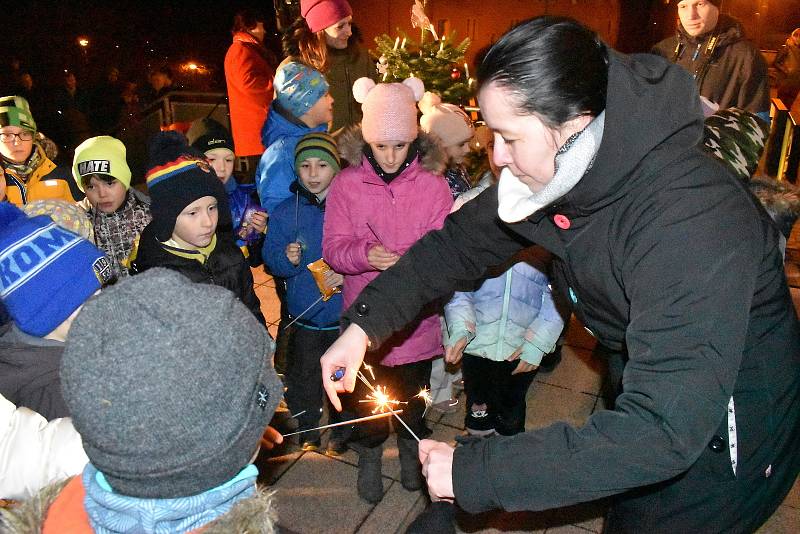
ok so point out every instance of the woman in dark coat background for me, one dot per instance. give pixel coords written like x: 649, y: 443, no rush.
x: 662, y: 253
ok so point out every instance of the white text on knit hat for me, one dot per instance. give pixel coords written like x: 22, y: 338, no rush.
x: 93, y: 166
x: 34, y: 252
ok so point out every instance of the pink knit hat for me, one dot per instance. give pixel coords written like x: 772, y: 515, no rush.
x: 390, y: 110
x: 446, y: 121
x: 321, y: 14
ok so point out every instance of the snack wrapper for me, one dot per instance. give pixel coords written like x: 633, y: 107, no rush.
x: 245, y: 231
x: 318, y: 270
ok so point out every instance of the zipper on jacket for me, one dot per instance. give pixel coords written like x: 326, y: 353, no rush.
x: 22, y: 193
x: 504, y: 317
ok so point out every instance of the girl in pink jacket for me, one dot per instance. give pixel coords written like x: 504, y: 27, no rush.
x: 391, y: 195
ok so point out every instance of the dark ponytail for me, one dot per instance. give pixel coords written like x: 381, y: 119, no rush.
x: 553, y: 66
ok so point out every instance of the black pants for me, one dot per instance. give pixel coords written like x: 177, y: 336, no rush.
x: 303, y: 375
x: 402, y: 383
x: 489, y: 382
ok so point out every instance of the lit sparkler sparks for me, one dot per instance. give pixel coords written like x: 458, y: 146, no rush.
x: 386, y: 406
x: 348, y: 422
x: 425, y: 395
x: 383, y: 403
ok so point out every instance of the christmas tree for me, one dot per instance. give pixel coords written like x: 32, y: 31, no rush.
x: 437, y: 62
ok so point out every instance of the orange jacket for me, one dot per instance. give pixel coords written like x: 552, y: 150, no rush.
x: 46, y: 182
x: 249, y: 76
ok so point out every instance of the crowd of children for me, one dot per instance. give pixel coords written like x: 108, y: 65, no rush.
x: 325, y: 216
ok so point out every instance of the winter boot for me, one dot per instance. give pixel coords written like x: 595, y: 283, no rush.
x: 370, y: 479
x: 410, y: 468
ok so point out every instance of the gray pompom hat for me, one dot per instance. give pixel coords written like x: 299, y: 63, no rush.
x: 170, y: 384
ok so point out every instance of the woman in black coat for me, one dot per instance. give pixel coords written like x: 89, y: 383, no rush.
x: 662, y: 253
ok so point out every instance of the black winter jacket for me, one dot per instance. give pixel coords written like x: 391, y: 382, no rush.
x: 226, y: 266
x: 669, y: 255
x: 728, y: 69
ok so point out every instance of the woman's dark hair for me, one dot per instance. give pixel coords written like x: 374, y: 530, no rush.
x: 554, y: 68
x: 246, y: 20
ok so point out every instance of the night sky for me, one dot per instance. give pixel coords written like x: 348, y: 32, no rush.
x: 122, y: 33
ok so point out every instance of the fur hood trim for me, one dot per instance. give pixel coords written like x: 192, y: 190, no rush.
x: 431, y: 154
x: 255, y: 515
x: 780, y: 199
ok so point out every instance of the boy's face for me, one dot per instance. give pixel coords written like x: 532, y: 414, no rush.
x: 15, y: 148
x: 320, y: 113
x: 221, y: 160
x: 455, y: 153
x: 316, y: 175
x: 390, y: 154
x: 196, y: 224
x: 104, y: 196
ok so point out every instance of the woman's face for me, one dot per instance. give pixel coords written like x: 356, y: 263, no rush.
x: 336, y: 36
x: 15, y: 148
x: 522, y: 142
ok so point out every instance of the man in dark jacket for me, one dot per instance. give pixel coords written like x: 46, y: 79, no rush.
x: 662, y: 253
x: 727, y: 68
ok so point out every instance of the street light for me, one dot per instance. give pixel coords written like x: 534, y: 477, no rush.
x: 83, y: 41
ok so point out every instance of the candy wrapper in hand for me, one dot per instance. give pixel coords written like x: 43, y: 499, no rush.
x: 245, y: 231
x: 318, y: 270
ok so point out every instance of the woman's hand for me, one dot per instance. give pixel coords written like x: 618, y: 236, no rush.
x: 523, y: 366
x: 347, y: 353
x: 437, y: 467
x: 381, y: 259
x: 453, y: 353
x: 293, y: 253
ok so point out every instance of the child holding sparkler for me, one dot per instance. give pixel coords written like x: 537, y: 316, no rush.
x: 390, y: 196
x: 294, y: 241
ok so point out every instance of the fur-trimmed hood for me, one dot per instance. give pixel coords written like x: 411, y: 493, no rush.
x: 431, y: 154
x: 255, y: 515
x: 780, y: 199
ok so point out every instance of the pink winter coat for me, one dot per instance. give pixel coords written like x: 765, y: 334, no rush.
x: 248, y: 75
x: 398, y: 214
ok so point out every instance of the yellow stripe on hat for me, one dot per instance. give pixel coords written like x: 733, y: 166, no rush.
x: 168, y: 170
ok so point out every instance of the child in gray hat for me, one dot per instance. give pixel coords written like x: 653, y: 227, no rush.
x: 171, y: 426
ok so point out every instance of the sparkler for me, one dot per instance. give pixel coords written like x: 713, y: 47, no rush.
x: 380, y: 394
x: 350, y: 422
x: 425, y: 395
x: 304, y: 312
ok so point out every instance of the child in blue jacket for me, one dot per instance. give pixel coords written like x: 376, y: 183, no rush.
x: 294, y: 240
x: 503, y: 329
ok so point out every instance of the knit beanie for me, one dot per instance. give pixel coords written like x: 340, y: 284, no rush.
x: 46, y: 272
x: 170, y: 401
x: 208, y: 134
x: 101, y: 155
x: 15, y: 111
x: 178, y: 176
x: 65, y: 214
x: 317, y: 145
x: 298, y: 87
x: 390, y: 111
x: 736, y: 137
x: 446, y: 121
x: 321, y: 14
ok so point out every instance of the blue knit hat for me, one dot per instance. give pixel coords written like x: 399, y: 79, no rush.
x: 46, y: 271
x: 298, y: 87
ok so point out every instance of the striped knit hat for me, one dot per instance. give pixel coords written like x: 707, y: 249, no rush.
x: 178, y: 176
x: 15, y: 111
x: 317, y: 145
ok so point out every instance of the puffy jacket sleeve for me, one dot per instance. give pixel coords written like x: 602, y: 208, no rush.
x: 543, y: 332
x: 459, y: 315
x: 274, y: 175
x: 342, y: 248
x: 279, y: 235
x: 35, y: 452
x: 754, y: 86
x: 471, y: 240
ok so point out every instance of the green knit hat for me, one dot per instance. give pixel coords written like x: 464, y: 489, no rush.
x: 15, y: 111
x: 317, y: 145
